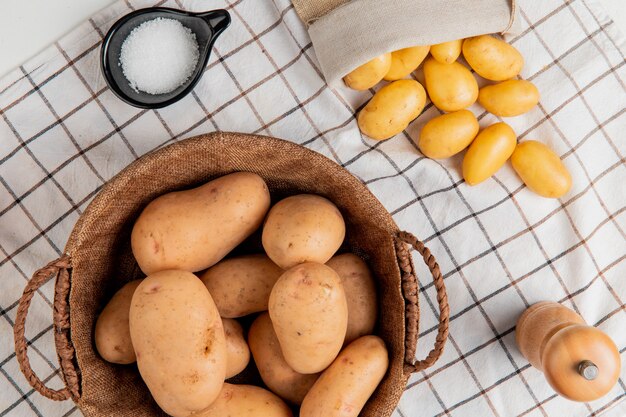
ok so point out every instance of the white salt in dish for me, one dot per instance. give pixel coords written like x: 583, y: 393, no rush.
x: 159, y: 56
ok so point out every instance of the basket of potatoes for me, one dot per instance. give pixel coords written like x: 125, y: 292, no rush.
x: 238, y: 275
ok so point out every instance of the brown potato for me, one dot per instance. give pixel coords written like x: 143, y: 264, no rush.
x: 303, y: 228
x: 358, y: 284
x: 309, y: 312
x: 241, y: 285
x: 178, y: 230
x: 275, y: 372
x: 112, y: 334
x: 179, y: 340
x: 237, y: 351
x: 488, y: 152
x: 447, y: 52
x: 344, y: 388
x: 369, y: 74
x: 246, y: 401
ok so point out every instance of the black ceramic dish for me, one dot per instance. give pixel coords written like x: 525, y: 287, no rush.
x: 206, y: 25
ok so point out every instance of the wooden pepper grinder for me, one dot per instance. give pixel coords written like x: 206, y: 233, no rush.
x: 580, y: 362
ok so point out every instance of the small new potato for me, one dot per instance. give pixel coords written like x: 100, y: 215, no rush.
x: 194, y: 229
x: 492, y: 58
x: 509, y: 98
x: 448, y: 134
x: 451, y: 87
x: 358, y: 284
x: 369, y: 74
x: 541, y: 169
x: 447, y: 52
x: 404, y: 61
x: 302, y: 228
x: 237, y: 351
x: 112, y: 335
x: 275, y: 372
x: 488, y: 152
x: 391, y: 109
x: 347, y: 384
x: 241, y: 285
x: 246, y: 401
x: 309, y: 312
x: 179, y: 340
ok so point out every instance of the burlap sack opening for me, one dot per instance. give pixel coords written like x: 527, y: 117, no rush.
x: 348, y: 33
x: 99, y: 261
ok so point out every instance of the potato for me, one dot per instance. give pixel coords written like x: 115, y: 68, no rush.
x: 344, y: 388
x: 237, y: 351
x: 451, y: 87
x: 179, y: 341
x: 358, y: 284
x: 275, y: 372
x: 492, y: 58
x: 447, y: 52
x: 448, y: 134
x: 112, y: 334
x: 192, y: 230
x: 488, y: 152
x: 309, y: 312
x: 509, y: 98
x: 391, y: 109
x: 404, y: 61
x: 302, y: 228
x: 541, y: 169
x: 246, y: 401
x: 369, y: 74
x: 241, y: 285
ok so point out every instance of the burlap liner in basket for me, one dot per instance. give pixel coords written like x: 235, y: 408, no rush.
x: 348, y: 33
x: 98, y: 261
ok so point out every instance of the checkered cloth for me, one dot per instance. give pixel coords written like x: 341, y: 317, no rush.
x: 63, y: 134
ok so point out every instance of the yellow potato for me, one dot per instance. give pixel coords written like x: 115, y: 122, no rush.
x: 241, y: 285
x: 509, y: 98
x: 112, y: 334
x: 309, y: 312
x: 303, y: 228
x: 358, y: 284
x: 451, y: 87
x: 541, y: 169
x: 492, y: 58
x: 391, y: 109
x: 194, y: 229
x: 404, y: 61
x: 447, y: 52
x: 488, y: 152
x: 369, y: 74
x: 179, y: 340
x: 448, y: 134
x: 275, y: 372
x: 237, y: 351
x: 344, y: 388
x: 246, y: 401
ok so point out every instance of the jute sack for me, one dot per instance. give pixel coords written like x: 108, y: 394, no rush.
x: 348, y: 33
x: 98, y: 261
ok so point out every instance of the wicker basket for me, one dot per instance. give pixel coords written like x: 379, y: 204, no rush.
x: 98, y: 261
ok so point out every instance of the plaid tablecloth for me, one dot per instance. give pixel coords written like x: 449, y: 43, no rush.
x: 63, y: 134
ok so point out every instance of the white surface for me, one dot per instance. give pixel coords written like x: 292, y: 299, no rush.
x: 27, y: 26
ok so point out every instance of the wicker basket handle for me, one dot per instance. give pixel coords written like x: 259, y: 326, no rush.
x: 59, y: 267
x: 410, y: 291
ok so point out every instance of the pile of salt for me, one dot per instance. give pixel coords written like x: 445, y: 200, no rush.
x: 159, y: 56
